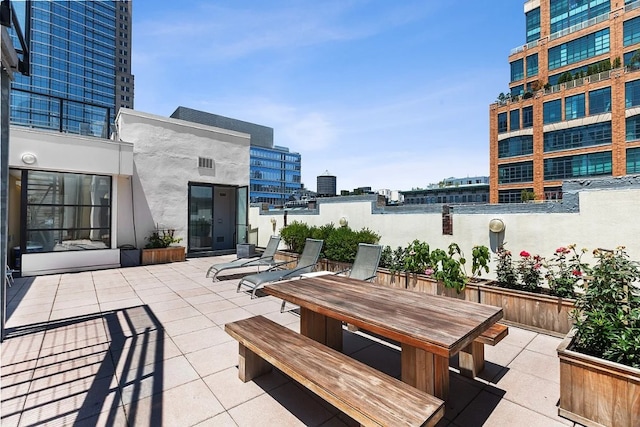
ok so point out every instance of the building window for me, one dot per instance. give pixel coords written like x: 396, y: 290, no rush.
x: 517, y: 90
x: 527, y: 117
x: 633, y: 160
x: 579, y: 49
x: 517, y: 70
x: 515, y: 172
x: 632, y: 93
x: 577, y: 166
x: 512, y: 196
x: 631, y: 31
x: 578, y: 137
x: 514, y: 119
x: 565, y: 14
x: 600, y: 100
x: 533, y: 25
x: 68, y: 212
x: 515, y: 146
x: 553, y: 193
x: 632, y: 128
x: 574, y: 107
x: 532, y: 65
x: 502, y: 122
x: 552, y: 111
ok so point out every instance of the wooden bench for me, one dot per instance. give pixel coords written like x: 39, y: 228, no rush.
x: 471, y: 358
x: 365, y: 394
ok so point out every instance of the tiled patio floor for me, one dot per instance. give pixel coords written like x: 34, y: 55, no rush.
x: 145, y: 346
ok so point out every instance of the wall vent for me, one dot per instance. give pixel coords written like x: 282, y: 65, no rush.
x: 205, y: 162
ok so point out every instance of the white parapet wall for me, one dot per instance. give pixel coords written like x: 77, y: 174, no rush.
x: 594, y: 214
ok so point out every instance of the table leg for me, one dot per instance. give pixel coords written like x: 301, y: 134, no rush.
x: 321, y: 328
x: 425, y: 371
x: 471, y: 359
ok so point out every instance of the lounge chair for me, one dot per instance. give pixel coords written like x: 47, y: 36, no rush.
x: 364, y: 266
x: 305, y: 264
x: 264, y: 260
x: 9, y: 275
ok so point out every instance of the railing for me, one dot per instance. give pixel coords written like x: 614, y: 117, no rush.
x: 632, y: 6
x: 582, y: 25
x: 523, y: 47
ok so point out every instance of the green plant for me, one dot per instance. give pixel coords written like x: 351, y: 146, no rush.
x: 342, y: 243
x: 529, y: 270
x: 448, y: 267
x: 565, y: 270
x: 480, y: 259
x: 295, y: 234
x: 392, y: 259
x: 162, y: 239
x: 416, y: 257
x: 607, y: 315
x: 526, y: 195
x: 505, y: 272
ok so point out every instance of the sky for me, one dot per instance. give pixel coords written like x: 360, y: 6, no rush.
x: 389, y: 94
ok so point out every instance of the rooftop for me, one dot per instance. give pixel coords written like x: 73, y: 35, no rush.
x: 146, y: 346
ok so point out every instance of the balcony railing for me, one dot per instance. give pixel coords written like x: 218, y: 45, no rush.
x: 632, y: 6
x: 524, y: 47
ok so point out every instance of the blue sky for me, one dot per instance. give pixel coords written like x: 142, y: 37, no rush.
x: 382, y: 93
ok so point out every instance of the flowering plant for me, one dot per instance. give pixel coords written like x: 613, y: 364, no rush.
x: 505, y: 273
x: 529, y: 271
x: 565, y: 270
x: 417, y: 257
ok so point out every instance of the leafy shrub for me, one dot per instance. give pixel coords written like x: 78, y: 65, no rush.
x: 295, y: 234
x: 162, y: 239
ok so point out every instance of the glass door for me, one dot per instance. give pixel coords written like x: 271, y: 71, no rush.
x: 242, y: 217
x: 200, y: 217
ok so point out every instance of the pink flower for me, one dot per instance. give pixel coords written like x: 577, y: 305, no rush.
x: 537, y: 266
x: 525, y: 254
x: 428, y: 271
x: 577, y: 273
x: 561, y: 250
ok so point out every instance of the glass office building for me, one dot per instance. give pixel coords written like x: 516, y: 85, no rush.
x: 274, y: 175
x: 78, y: 60
x: 573, y: 109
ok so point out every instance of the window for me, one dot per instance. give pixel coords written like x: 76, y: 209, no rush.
x: 632, y: 93
x: 511, y: 196
x: 532, y: 65
x: 600, y: 100
x: 517, y: 70
x: 533, y: 25
x: 515, y: 146
x: 631, y: 31
x: 68, y: 212
x: 566, y: 13
x: 578, y: 137
x: 633, y: 128
x: 633, y: 160
x: 579, y: 49
x: 502, y: 122
x: 515, y: 172
x: 527, y: 117
x: 552, y: 111
x: 553, y: 193
x: 517, y: 90
x: 514, y: 119
x: 574, y: 107
x: 578, y: 166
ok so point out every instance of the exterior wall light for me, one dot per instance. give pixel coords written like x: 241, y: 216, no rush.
x: 343, y: 221
x: 273, y: 224
x: 496, y: 225
x: 29, y: 158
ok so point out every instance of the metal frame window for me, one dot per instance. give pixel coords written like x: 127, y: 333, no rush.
x: 631, y: 31
x: 514, y: 119
x: 578, y: 137
x: 517, y: 70
x: 632, y: 128
x: 502, y: 122
x: 515, y: 146
x: 532, y: 65
x: 633, y: 160
x: 515, y: 172
x: 527, y: 117
x: 511, y: 196
x: 600, y: 100
x: 593, y: 164
x: 579, y: 49
x: 552, y: 111
x: 632, y: 93
x: 574, y: 107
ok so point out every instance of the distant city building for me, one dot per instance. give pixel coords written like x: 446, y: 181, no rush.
x: 80, y: 66
x: 326, y: 185
x: 301, y: 198
x: 357, y: 191
x: 394, y: 197
x: 274, y: 171
x: 451, y: 190
x: 573, y: 106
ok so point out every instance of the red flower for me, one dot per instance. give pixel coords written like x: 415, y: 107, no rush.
x: 525, y: 254
x: 561, y: 250
x: 577, y: 273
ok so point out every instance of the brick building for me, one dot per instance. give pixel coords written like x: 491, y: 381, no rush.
x: 574, y: 104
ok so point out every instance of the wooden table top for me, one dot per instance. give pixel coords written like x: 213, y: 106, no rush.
x: 438, y: 324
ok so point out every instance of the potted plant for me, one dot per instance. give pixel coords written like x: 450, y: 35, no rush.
x: 600, y: 357
x: 159, y: 248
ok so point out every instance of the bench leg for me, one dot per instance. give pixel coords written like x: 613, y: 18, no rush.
x: 321, y: 328
x: 471, y: 359
x: 250, y: 365
x: 425, y: 371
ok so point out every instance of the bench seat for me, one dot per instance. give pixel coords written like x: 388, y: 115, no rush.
x: 471, y: 358
x: 365, y: 394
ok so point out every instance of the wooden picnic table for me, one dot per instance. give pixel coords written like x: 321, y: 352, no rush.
x: 430, y: 328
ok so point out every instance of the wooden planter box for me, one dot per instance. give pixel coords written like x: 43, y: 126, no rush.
x: 163, y: 255
x: 538, y: 311
x: 596, y: 392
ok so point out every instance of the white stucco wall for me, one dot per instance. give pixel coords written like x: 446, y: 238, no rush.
x: 606, y: 219
x: 166, y: 153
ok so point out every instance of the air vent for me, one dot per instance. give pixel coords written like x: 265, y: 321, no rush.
x: 204, y: 162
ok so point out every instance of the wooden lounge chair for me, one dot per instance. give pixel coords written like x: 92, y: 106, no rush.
x: 305, y: 264
x: 264, y: 260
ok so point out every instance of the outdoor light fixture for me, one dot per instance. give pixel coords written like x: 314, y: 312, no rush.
x: 343, y: 221
x: 29, y: 158
x: 496, y: 225
x: 273, y: 224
